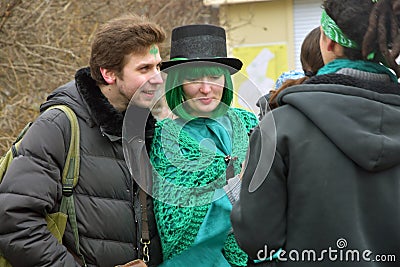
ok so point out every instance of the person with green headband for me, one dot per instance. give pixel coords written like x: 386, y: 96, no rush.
x: 197, y: 157
x: 332, y: 194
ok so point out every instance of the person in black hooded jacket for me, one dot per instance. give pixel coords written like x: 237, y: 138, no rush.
x: 124, y: 57
x: 329, y: 194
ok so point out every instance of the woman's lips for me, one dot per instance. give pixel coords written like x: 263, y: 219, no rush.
x: 205, y: 100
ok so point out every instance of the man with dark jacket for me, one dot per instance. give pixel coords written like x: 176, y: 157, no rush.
x: 124, y: 57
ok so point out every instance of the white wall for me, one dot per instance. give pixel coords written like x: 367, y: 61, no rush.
x: 307, y: 14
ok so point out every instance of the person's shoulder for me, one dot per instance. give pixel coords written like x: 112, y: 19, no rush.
x: 292, y: 74
x: 166, y: 121
x: 244, y: 113
x: 246, y: 116
x: 50, y: 120
x: 166, y: 125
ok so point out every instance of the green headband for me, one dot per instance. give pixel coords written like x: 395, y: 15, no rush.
x: 334, y: 32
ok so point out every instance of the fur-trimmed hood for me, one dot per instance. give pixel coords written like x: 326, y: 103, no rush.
x: 86, y: 99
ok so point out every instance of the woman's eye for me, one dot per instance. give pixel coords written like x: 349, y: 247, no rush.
x: 200, y: 79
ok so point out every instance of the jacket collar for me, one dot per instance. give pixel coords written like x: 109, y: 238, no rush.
x: 358, y: 79
x: 107, y: 117
x: 104, y: 114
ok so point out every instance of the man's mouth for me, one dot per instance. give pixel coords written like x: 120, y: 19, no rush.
x: 149, y: 92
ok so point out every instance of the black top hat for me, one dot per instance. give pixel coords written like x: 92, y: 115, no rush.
x: 200, y: 42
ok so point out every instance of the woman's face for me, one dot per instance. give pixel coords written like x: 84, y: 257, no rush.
x: 203, y: 95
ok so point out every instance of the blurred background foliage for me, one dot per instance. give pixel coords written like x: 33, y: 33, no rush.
x: 44, y: 42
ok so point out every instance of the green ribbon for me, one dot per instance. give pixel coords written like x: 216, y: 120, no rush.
x: 332, y: 30
x: 185, y: 58
x: 179, y: 58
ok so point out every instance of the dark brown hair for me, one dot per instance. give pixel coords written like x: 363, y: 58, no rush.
x: 374, y: 26
x: 311, y: 61
x: 310, y: 53
x: 122, y: 36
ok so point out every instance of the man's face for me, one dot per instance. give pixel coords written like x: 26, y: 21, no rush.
x: 140, y: 80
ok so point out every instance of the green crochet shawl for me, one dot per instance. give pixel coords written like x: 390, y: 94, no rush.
x: 186, y: 175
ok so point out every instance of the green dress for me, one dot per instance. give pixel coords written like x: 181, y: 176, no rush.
x: 191, y: 209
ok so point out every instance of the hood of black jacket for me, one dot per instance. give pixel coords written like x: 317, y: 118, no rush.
x: 86, y: 99
x: 88, y: 102
x: 363, y: 121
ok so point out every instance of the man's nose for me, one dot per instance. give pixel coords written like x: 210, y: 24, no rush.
x: 157, y: 78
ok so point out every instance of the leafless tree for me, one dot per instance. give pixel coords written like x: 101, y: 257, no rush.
x: 43, y: 43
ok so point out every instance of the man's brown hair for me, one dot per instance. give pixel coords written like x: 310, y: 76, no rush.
x: 120, y: 37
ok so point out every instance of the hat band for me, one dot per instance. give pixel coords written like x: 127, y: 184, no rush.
x: 179, y: 58
x: 332, y: 30
x: 185, y: 58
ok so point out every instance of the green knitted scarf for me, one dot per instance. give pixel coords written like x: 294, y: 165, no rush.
x: 186, y: 175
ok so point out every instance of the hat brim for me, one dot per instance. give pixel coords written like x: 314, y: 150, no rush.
x: 233, y: 64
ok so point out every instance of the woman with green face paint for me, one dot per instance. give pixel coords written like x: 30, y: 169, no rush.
x: 331, y: 197
x: 198, y: 153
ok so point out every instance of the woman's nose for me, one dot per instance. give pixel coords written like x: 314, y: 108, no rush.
x: 205, y: 87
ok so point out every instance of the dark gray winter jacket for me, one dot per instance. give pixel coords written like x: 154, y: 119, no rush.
x: 106, y: 202
x: 332, y: 194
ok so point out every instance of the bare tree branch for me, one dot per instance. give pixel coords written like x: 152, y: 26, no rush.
x: 8, y: 10
x: 43, y: 43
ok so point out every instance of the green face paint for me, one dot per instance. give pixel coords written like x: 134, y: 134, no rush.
x: 154, y: 51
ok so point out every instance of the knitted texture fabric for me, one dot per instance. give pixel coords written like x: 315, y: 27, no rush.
x: 186, y: 175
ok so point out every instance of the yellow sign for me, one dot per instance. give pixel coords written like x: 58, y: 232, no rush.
x: 262, y: 65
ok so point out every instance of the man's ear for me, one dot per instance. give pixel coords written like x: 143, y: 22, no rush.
x: 335, y: 48
x: 108, y: 75
x: 330, y: 45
